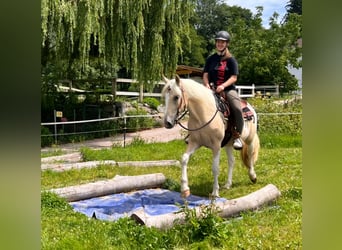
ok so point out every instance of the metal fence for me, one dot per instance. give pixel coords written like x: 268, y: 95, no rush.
x: 123, y: 124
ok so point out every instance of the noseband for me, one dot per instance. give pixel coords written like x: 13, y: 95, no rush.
x: 182, y: 111
x: 182, y: 108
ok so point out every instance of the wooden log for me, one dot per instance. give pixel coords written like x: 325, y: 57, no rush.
x: 161, y: 163
x: 116, y: 185
x: 226, y: 209
x: 60, y: 167
x: 74, y: 157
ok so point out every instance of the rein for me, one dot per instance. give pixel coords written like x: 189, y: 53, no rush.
x: 185, y: 111
x: 195, y: 129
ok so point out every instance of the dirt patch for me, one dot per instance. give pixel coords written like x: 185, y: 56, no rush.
x: 149, y: 136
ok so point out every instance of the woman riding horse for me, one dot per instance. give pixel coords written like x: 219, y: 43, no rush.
x: 221, y: 70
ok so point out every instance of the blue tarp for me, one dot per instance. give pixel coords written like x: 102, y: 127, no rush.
x: 153, y: 201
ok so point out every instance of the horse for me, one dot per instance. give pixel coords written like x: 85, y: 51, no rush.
x: 207, y: 126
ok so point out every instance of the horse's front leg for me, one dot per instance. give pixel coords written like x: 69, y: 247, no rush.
x: 216, y: 172
x: 185, y: 190
x: 231, y: 163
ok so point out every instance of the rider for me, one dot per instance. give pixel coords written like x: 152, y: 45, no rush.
x: 221, y: 70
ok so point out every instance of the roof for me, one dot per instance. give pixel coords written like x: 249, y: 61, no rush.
x: 188, y: 70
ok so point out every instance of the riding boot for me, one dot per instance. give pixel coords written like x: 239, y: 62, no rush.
x: 237, y: 144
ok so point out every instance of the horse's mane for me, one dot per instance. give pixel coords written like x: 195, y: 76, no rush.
x: 194, y: 90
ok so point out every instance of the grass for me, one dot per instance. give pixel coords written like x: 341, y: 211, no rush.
x: 277, y: 226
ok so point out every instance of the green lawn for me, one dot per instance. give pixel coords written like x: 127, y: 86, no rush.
x: 278, y: 226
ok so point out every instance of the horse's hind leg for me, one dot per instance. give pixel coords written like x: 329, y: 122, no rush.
x: 249, y: 156
x: 250, y: 165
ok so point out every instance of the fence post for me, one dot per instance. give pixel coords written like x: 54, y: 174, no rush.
x: 124, y: 131
x: 141, y: 92
x: 55, y: 125
x: 114, y: 87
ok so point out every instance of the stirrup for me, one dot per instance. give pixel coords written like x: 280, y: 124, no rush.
x: 237, y: 144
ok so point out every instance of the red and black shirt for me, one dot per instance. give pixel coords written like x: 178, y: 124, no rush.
x: 220, y: 71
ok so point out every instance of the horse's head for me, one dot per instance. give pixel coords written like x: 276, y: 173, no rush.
x: 174, y: 101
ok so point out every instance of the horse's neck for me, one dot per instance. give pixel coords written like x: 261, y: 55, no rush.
x: 201, y: 103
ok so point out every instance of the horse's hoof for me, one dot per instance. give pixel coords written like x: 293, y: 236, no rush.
x: 214, y: 196
x: 254, y: 180
x: 185, y: 193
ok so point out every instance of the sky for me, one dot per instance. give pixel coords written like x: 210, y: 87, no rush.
x: 270, y: 6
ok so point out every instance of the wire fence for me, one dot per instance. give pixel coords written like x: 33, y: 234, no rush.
x: 121, y: 125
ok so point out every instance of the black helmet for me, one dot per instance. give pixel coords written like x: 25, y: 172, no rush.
x: 222, y: 35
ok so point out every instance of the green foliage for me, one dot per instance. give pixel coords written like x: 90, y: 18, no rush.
x: 96, y: 38
x: 152, y: 102
x: 293, y: 6
x: 276, y: 226
x: 138, y: 123
x: 171, y: 185
x: 263, y: 54
x: 206, y: 227
x: 51, y: 200
x: 278, y: 116
x: 46, y: 137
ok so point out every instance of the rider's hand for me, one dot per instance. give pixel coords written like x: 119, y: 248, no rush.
x: 219, y: 89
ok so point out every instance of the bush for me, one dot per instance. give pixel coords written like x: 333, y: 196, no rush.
x: 138, y: 123
x: 278, y: 118
x: 46, y: 137
x: 152, y: 102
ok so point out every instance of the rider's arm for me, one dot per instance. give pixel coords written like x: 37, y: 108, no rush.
x: 206, y: 80
x: 231, y: 80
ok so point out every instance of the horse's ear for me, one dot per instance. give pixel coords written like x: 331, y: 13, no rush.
x: 178, y: 80
x: 164, y: 78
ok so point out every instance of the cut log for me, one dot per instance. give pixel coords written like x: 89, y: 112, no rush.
x: 226, y: 209
x: 161, y: 163
x: 118, y: 184
x: 60, y: 167
x: 73, y: 157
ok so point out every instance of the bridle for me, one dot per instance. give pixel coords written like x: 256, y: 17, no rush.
x: 180, y: 114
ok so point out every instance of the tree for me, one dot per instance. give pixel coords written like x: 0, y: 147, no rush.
x: 294, y: 7
x: 92, y: 39
x: 193, y: 49
x: 210, y: 17
x: 264, y: 54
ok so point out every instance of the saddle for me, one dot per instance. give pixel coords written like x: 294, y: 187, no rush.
x: 223, y: 107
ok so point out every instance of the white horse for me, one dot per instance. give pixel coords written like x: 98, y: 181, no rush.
x: 207, y: 128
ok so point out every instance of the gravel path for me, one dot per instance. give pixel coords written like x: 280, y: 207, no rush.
x: 73, y: 159
x: 151, y: 135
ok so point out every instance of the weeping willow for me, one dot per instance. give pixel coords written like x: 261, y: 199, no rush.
x: 141, y: 36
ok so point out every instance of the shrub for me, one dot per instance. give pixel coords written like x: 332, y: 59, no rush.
x: 46, y: 137
x: 277, y: 118
x: 152, y: 102
x: 138, y: 123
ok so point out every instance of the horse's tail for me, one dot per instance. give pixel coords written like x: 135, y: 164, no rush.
x: 253, y: 148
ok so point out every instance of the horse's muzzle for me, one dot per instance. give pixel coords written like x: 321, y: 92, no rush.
x: 168, y: 123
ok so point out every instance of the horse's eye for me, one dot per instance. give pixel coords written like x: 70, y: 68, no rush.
x: 176, y: 98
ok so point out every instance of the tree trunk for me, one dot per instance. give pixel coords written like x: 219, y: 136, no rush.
x: 118, y: 184
x: 227, y: 209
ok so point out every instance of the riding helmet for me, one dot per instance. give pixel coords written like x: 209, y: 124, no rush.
x: 222, y: 35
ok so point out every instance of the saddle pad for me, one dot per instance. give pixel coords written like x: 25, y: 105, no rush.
x: 246, y: 112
